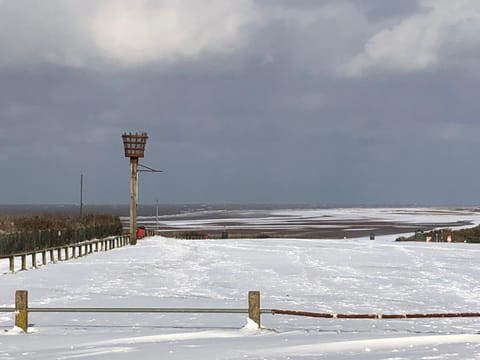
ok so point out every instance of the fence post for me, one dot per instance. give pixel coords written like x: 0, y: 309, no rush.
x: 24, y: 262
x: 254, y: 306
x: 44, y: 257
x: 34, y: 260
x: 21, y: 309
x: 12, y: 263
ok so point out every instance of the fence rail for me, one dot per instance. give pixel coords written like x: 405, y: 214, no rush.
x: 254, y: 311
x: 373, y: 316
x: 21, y: 242
x: 67, y: 251
x: 141, y: 310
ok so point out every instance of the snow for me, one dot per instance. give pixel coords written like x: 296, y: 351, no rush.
x: 296, y: 218
x: 337, y: 276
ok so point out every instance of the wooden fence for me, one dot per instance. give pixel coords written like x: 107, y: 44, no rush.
x: 66, y: 251
x: 22, y: 310
x: 30, y: 241
x: 254, y: 311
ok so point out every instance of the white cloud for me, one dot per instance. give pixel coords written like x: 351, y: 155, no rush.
x: 121, y: 32
x: 415, y: 43
x: 132, y: 33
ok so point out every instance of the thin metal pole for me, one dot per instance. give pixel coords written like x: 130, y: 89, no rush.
x: 5, y: 310
x: 81, y: 195
x: 156, y: 217
x: 140, y: 310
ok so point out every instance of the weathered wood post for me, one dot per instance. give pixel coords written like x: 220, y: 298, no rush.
x: 59, y: 254
x: 34, y: 260
x: 254, y: 306
x: 12, y: 263
x: 24, y: 262
x: 52, y: 256
x: 133, y: 199
x: 134, y: 145
x: 21, y: 309
x: 74, y: 251
x: 44, y: 258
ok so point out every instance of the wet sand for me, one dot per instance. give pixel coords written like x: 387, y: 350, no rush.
x: 258, y: 223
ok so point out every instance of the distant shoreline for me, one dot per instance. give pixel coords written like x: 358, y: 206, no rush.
x: 171, y: 209
x: 274, y: 220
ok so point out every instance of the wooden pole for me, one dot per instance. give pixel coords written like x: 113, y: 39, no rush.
x: 21, y: 309
x: 12, y: 263
x: 254, y: 306
x: 24, y: 262
x: 133, y: 200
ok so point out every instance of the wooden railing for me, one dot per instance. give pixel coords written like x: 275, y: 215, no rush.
x: 22, y: 310
x: 67, y: 251
x: 254, y: 311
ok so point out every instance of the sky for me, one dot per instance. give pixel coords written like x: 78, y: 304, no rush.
x: 249, y: 101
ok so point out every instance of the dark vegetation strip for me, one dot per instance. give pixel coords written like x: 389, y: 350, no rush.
x: 471, y: 235
x: 20, y: 234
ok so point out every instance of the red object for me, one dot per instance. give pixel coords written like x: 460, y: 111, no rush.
x: 140, y: 232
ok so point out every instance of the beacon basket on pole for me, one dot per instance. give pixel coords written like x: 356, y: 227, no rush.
x: 134, y: 145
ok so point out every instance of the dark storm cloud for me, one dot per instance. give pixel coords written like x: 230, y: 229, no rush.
x: 291, y: 107
x: 378, y: 10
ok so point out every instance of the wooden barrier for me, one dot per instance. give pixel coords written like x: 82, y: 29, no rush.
x: 374, y: 316
x: 254, y: 306
x: 22, y: 309
x: 63, y: 252
x: 254, y: 311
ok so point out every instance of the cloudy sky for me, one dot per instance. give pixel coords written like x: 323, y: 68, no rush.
x: 244, y: 101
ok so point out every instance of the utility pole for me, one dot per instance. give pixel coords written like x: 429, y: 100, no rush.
x: 156, y: 216
x: 81, y: 195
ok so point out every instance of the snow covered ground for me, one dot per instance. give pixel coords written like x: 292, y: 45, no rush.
x: 339, y: 276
